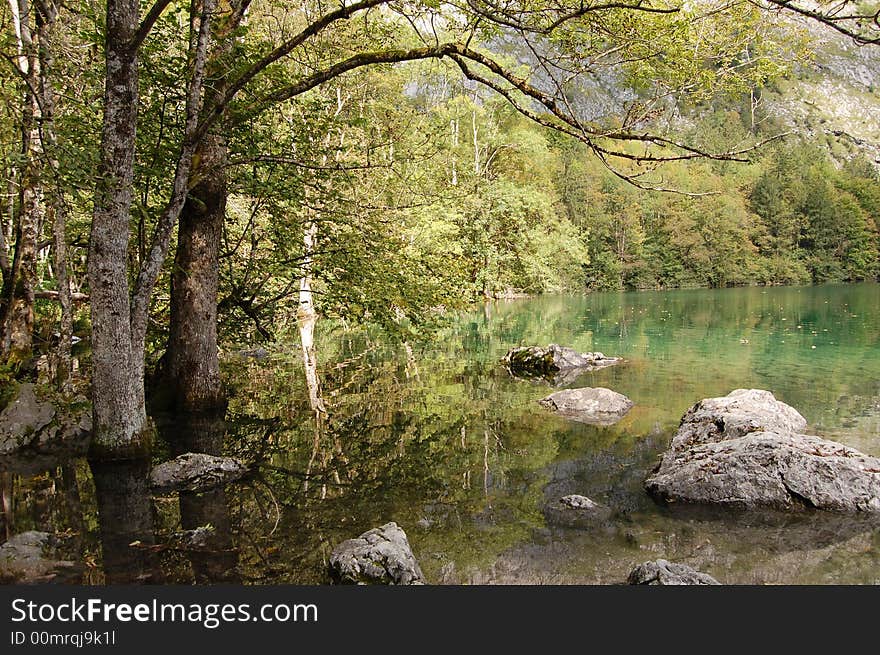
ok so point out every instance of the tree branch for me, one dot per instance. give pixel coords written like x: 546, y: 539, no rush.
x: 863, y: 28
x: 151, y: 266
x: 343, y: 13
x: 147, y: 23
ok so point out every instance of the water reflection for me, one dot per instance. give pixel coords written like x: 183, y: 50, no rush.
x: 215, y: 560
x: 125, y: 517
x: 438, y: 437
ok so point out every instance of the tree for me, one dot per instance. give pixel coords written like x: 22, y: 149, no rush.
x: 119, y: 315
x: 193, y: 370
x: 641, y: 40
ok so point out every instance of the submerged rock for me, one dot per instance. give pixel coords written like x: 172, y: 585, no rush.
x: 379, y: 556
x: 553, y: 361
x: 30, y: 425
x: 24, y: 559
x: 195, y: 472
x: 575, y: 501
x: 662, y: 572
x: 196, y: 539
x: 576, y: 511
x: 746, y: 450
x: 594, y: 405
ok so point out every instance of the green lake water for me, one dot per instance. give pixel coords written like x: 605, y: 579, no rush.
x: 441, y: 439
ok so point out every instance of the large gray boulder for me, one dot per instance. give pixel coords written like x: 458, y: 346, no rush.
x: 26, y: 559
x: 379, y: 556
x: 554, y: 361
x: 662, y: 572
x: 30, y: 425
x: 746, y: 450
x: 593, y: 405
x: 195, y: 472
x: 23, y: 418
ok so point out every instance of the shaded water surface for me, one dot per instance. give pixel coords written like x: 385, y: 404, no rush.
x: 439, y: 438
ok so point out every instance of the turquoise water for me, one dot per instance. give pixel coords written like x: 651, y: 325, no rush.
x: 438, y: 437
x: 442, y: 440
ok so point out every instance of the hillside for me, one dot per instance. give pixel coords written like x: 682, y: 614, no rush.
x: 836, y: 100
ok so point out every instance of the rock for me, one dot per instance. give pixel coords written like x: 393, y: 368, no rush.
x: 195, y: 472
x: 575, y: 501
x: 594, y: 405
x: 553, y: 361
x: 380, y: 556
x: 662, y: 572
x: 576, y: 511
x: 30, y: 426
x: 745, y: 450
x: 258, y: 354
x: 738, y: 413
x: 23, y: 559
x: 22, y: 420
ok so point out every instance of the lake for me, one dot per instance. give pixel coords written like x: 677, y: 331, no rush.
x: 438, y: 437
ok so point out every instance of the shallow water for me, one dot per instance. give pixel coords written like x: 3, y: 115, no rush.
x: 439, y: 438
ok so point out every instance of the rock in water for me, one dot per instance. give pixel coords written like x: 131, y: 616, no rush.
x: 740, y: 412
x: 31, y: 426
x: 23, y: 559
x: 23, y: 418
x: 746, y: 450
x: 380, y: 556
x: 549, y: 362
x: 662, y: 572
x: 594, y: 405
x: 576, y: 501
x: 195, y: 472
x: 576, y: 511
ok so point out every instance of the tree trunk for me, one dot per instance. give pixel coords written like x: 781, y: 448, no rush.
x: 192, y: 358
x: 55, y: 208
x: 306, y: 319
x: 120, y: 420
x: 119, y: 321
x: 17, y: 305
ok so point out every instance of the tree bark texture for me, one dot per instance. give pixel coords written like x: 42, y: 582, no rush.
x: 193, y: 363
x: 17, y: 304
x: 120, y: 421
x: 55, y: 208
x: 307, y: 317
x: 119, y: 321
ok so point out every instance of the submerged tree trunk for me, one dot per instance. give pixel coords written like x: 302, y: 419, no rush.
x: 125, y: 518
x: 218, y: 561
x: 119, y: 321
x: 120, y: 420
x: 192, y: 357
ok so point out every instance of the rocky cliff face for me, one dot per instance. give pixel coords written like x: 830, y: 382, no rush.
x: 836, y: 98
